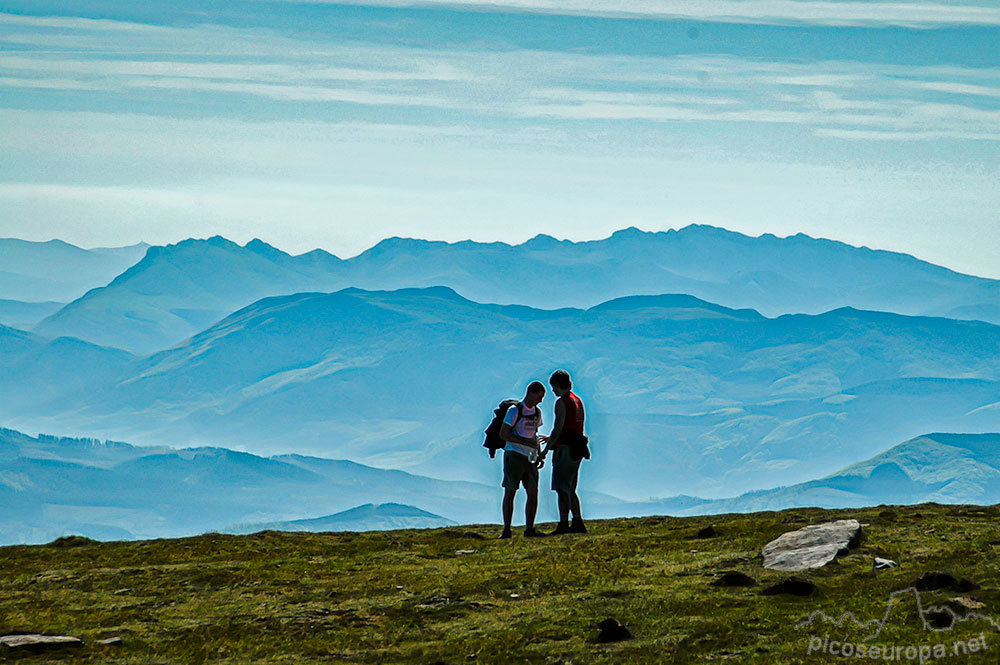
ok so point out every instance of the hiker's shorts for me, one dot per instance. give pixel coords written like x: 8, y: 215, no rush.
x: 517, y: 469
x: 565, y: 470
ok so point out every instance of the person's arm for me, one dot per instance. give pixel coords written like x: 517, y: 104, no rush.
x: 553, y: 442
x: 507, y: 434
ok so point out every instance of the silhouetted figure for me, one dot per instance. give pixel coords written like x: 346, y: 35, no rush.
x: 520, y: 458
x: 569, y: 444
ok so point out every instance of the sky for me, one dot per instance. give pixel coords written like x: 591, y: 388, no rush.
x: 334, y: 125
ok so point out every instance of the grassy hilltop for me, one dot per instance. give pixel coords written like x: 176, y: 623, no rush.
x: 457, y: 595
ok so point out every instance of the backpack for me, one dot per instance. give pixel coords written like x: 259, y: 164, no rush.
x: 493, y: 442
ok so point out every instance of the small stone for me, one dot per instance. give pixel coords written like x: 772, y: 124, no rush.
x: 968, y: 603
x: 734, y: 578
x: 708, y: 532
x: 120, y: 592
x: 461, y: 552
x: 111, y: 642
x: 612, y: 631
x: 795, y: 586
x: 39, y: 642
x: 514, y: 596
x: 881, y: 564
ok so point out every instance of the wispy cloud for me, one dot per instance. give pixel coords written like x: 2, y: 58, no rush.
x: 839, y: 99
x: 779, y: 12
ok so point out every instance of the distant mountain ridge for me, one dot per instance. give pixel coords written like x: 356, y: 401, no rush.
x: 178, y: 290
x: 53, y: 486
x: 940, y: 468
x: 108, y: 490
x: 683, y: 396
x: 369, y: 517
x: 34, y: 272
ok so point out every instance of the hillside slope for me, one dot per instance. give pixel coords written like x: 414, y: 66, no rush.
x: 458, y: 595
x: 683, y: 396
x: 58, y: 271
x: 944, y: 468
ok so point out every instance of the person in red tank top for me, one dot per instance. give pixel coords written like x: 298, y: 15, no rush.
x: 569, y: 444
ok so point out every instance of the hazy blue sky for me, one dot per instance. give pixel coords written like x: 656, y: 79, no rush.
x: 332, y: 125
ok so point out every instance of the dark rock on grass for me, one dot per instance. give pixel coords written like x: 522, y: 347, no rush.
x: 708, y: 532
x: 889, y: 515
x: 734, y: 578
x: 931, y: 581
x: 795, y: 586
x: 939, y: 619
x: 72, y: 541
x: 612, y: 631
x: 965, y: 585
x: 38, y: 642
x: 454, y: 533
x: 934, y: 580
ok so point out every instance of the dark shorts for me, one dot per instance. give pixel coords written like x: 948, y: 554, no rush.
x: 517, y: 469
x: 565, y: 470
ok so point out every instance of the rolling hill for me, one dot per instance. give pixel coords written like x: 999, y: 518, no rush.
x: 940, y: 468
x: 54, y: 486
x: 684, y: 396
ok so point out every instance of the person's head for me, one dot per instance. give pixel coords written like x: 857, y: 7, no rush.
x: 560, y: 382
x: 536, y: 391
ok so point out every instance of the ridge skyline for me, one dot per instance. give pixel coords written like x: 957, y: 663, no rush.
x: 538, y: 238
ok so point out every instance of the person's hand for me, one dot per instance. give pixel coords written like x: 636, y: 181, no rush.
x: 543, y: 439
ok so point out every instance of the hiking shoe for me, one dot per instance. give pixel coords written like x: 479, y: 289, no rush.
x: 560, y: 529
x: 530, y: 532
x: 505, y: 534
x: 577, y: 527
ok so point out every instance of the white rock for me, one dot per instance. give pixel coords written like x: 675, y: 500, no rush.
x: 39, y: 641
x: 881, y: 563
x: 810, y: 547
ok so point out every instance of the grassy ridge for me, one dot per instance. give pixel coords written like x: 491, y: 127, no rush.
x: 445, y: 595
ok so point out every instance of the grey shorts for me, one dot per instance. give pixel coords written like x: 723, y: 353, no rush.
x: 517, y: 469
x: 565, y: 471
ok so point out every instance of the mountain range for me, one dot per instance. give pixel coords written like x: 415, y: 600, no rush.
x: 177, y: 290
x: 36, y: 272
x: 51, y: 487
x: 683, y: 396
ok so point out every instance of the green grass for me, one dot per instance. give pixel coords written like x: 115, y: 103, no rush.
x: 408, y: 597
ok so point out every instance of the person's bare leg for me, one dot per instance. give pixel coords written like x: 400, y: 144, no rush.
x: 577, y: 526
x: 508, y: 509
x: 564, y: 508
x: 530, y: 507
